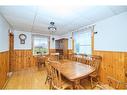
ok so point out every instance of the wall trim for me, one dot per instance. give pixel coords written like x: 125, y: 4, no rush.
x: 109, y: 51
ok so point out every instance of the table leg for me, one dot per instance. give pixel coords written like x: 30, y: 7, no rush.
x: 77, y: 85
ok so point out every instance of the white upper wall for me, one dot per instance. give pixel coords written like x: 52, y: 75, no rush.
x: 52, y: 42
x: 112, y: 33
x: 111, y: 36
x: 28, y: 42
x: 4, y: 38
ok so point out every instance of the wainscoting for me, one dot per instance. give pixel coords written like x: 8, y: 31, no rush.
x: 52, y: 50
x: 113, y: 64
x: 4, y: 67
x: 125, y: 67
x: 22, y: 59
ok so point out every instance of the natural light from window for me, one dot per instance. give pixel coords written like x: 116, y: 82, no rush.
x: 82, y: 42
x: 40, y: 45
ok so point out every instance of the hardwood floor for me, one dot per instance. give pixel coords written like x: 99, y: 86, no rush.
x: 32, y: 78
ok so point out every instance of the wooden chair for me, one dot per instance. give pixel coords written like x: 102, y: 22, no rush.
x: 95, y: 62
x: 64, y: 57
x: 70, y: 56
x: 48, y: 69
x: 87, y: 59
x: 112, y: 84
x: 54, y: 56
x: 74, y: 57
x: 40, y: 61
x: 57, y: 82
x: 84, y: 59
x: 80, y: 58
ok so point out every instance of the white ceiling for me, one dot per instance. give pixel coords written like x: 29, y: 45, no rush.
x: 36, y: 19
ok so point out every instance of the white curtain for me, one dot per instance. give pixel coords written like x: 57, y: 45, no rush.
x: 82, y: 42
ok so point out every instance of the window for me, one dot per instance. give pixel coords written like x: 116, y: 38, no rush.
x: 40, y: 45
x: 82, y: 42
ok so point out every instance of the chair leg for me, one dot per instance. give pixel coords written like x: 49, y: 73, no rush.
x: 50, y: 84
x: 46, y: 79
x: 97, y: 79
x: 91, y: 80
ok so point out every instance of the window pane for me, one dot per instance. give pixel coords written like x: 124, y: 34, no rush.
x: 40, y: 45
x: 82, y: 42
x: 85, y: 49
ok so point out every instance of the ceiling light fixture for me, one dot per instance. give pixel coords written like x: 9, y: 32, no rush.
x: 52, y: 27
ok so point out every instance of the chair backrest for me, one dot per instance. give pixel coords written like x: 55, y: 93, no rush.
x: 56, y: 78
x: 79, y: 58
x: 55, y: 56
x: 82, y: 55
x: 40, y: 59
x: 87, y: 60
x: 113, y: 82
x: 70, y: 55
x: 51, y: 60
x: 48, y: 67
x: 95, y: 61
x: 74, y: 58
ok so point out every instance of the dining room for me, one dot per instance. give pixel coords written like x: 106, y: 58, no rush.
x: 63, y: 47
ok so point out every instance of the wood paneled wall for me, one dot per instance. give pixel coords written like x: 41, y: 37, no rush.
x: 23, y: 59
x: 4, y: 67
x: 125, y: 67
x: 113, y: 64
x: 52, y: 50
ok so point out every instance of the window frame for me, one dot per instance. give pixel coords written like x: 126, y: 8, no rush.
x: 39, y: 35
x: 92, y: 40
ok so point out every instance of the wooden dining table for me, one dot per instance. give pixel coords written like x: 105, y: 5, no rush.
x: 73, y: 71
